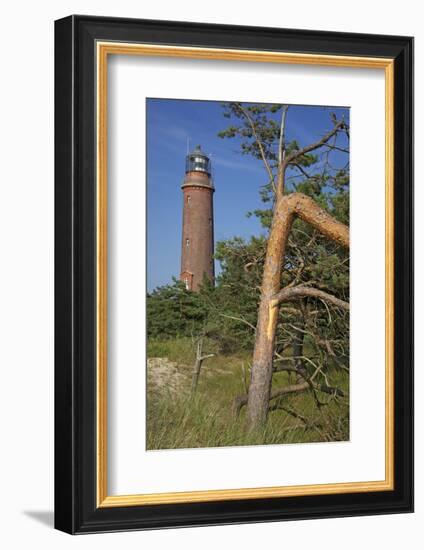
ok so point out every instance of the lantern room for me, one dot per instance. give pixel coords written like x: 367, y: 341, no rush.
x: 197, y: 161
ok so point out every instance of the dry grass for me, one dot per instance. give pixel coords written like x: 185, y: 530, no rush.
x: 175, y: 420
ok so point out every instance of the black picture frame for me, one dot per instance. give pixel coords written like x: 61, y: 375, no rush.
x: 76, y: 510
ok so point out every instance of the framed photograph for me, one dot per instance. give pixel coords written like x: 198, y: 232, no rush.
x: 234, y: 270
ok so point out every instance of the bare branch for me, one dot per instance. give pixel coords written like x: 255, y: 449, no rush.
x: 238, y: 319
x: 207, y: 356
x: 309, y: 211
x: 301, y: 170
x: 241, y: 400
x: 335, y: 148
x: 297, y: 292
x: 282, y: 152
x: 316, y: 145
x: 259, y: 142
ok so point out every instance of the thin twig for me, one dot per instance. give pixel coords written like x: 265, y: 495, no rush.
x: 259, y: 143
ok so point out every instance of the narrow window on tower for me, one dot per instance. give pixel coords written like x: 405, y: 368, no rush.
x: 187, y: 243
x: 188, y: 199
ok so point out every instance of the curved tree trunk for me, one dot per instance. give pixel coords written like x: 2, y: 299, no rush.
x: 261, y: 373
x: 286, y: 207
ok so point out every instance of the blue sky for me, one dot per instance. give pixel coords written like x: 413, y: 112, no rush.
x: 237, y: 177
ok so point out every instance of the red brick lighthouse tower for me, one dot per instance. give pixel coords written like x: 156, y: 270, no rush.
x: 197, y: 244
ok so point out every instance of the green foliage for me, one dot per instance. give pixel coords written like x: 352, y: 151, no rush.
x: 227, y: 312
x: 310, y: 334
x: 173, y: 311
x: 267, y: 128
x: 225, y: 315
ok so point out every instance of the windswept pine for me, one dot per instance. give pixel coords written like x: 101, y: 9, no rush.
x: 255, y: 351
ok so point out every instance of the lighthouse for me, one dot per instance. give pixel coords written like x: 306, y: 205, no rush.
x: 197, y: 235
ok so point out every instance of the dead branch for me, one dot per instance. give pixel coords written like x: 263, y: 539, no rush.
x: 286, y: 208
x: 238, y: 319
x: 308, y: 383
x: 282, y: 152
x: 309, y: 211
x: 259, y: 143
x: 307, y: 423
x: 198, y: 365
x: 241, y: 400
x: 296, y: 292
x: 313, y: 146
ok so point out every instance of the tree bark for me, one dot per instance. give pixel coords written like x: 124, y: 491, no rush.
x: 261, y: 373
x: 286, y: 208
x: 297, y: 292
x: 198, y: 365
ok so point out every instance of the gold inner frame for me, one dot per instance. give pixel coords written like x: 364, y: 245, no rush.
x: 103, y: 50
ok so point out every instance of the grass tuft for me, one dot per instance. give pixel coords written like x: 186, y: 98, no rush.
x: 175, y: 420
